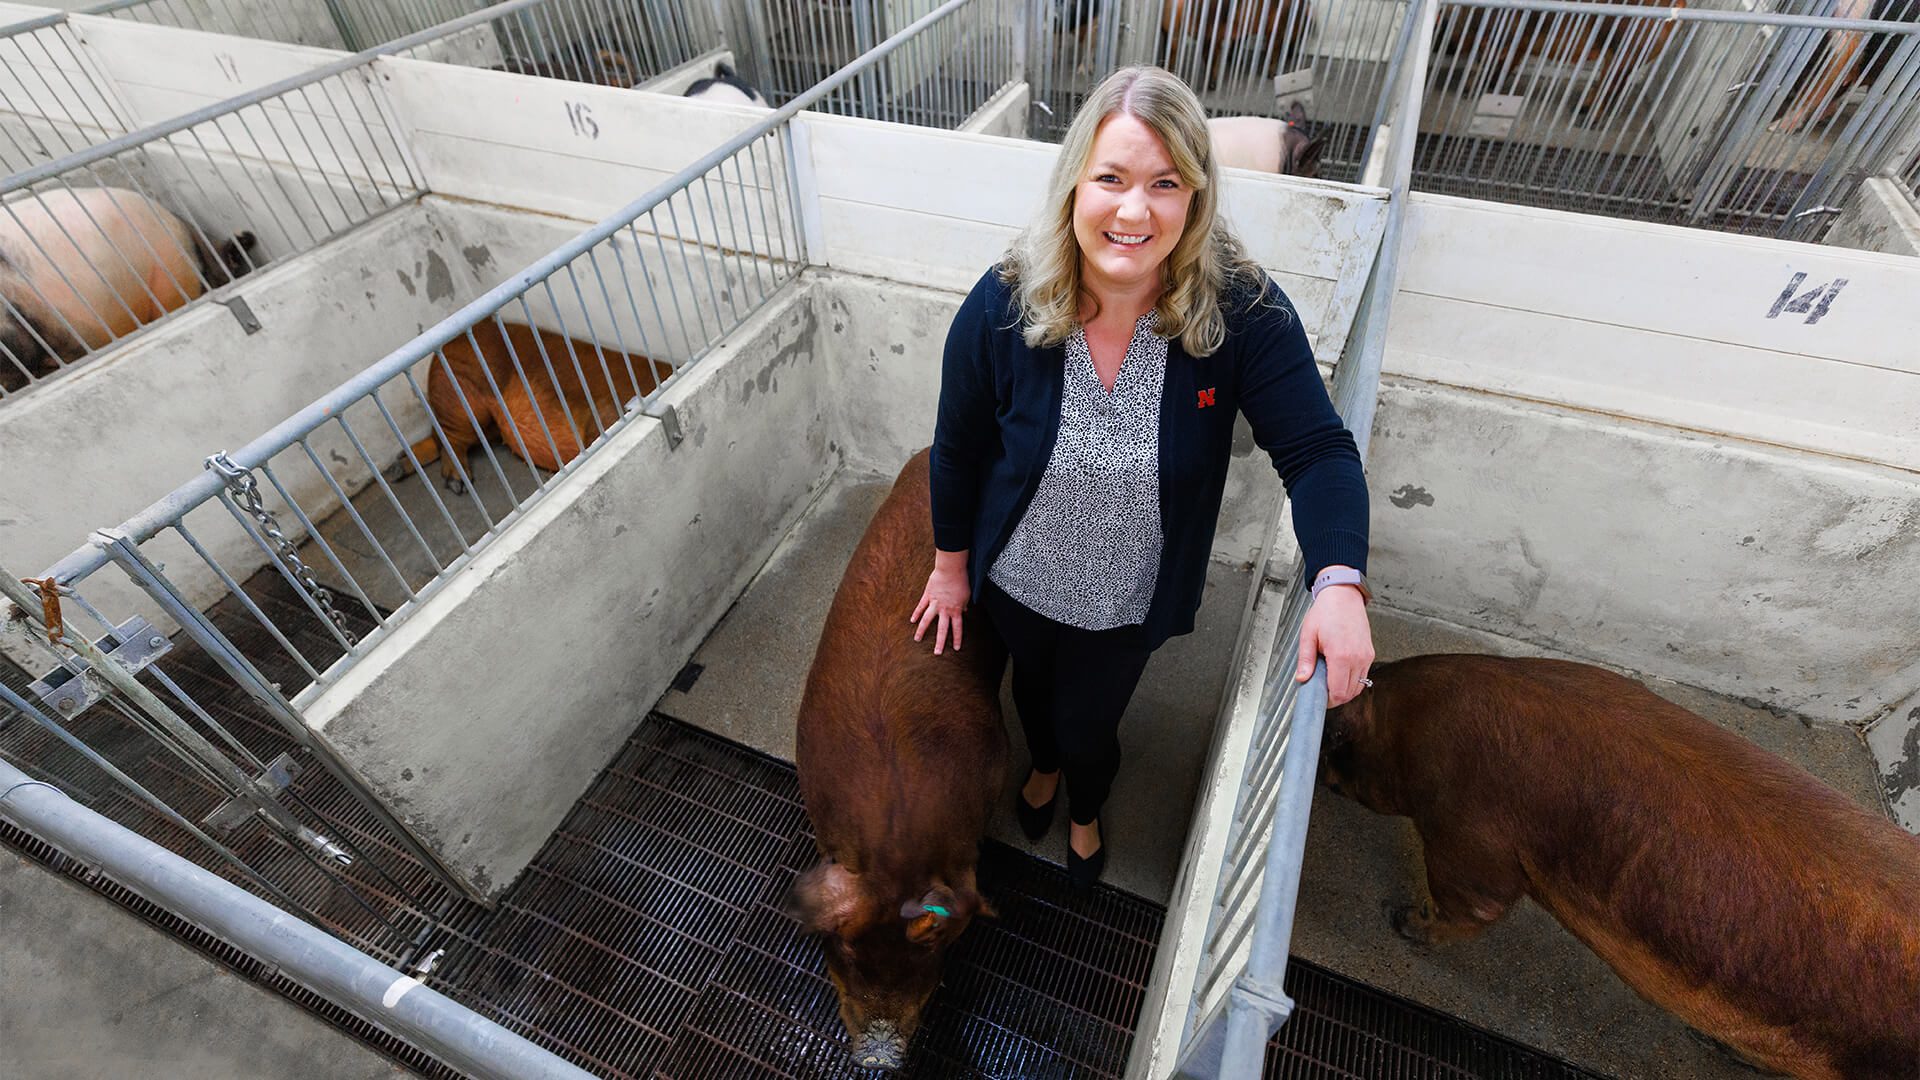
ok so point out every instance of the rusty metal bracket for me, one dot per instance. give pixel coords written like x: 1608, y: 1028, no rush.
x: 241, y: 313
x: 49, y: 590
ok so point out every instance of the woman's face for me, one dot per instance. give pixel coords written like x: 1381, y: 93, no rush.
x: 1129, y: 208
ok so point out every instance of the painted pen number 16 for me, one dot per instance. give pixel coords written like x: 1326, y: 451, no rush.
x: 582, y: 120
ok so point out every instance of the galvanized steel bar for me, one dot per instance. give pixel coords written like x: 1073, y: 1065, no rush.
x: 308, y: 955
x: 1687, y: 14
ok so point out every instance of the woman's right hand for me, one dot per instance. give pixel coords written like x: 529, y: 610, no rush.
x: 945, y: 598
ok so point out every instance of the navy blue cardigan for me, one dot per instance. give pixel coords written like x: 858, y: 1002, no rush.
x: 1000, y: 409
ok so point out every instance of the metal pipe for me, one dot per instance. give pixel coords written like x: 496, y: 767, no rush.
x: 186, y: 497
x: 304, y: 953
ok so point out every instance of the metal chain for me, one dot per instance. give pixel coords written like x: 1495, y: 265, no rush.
x: 241, y: 484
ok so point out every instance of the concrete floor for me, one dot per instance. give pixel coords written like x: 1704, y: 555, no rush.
x: 755, y: 667
x: 92, y: 991
x: 1526, y: 978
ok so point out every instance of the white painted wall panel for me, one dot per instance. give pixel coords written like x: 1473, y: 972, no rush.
x: 556, y: 147
x: 1678, y: 326
x: 163, y: 71
x: 938, y: 208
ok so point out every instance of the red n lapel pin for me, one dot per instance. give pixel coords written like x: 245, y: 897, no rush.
x: 1206, y: 397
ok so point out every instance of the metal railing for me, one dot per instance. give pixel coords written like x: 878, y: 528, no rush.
x: 940, y: 78
x: 207, y: 197
x: 1243, y: 57
x: 1910, y: 176
x: 52, y: 99
x: 373, y: 991
x: 1217, y: 993
x: 291, y: 558
x: 1741, y: 121
x: 335, y: 24
x: 611, y: 42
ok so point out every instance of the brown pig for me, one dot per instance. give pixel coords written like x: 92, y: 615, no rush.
x: 1721, y: 883
x: 900, y: 755
x: 535, y: 406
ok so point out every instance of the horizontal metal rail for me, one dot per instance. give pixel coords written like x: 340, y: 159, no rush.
x: 328, y: 966
x: 1685, y: 15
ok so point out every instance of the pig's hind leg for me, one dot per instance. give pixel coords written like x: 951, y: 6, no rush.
x: 1470, y: 885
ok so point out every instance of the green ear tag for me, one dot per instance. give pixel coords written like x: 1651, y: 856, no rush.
x: 938, y: 910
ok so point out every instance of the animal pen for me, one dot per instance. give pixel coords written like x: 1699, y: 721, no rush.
x: 398, y: 697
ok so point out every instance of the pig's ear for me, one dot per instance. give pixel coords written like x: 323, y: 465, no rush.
x: 1297, y: 114
x: 822, y: 899
x: 928, y: 917
x: 1307, y: 162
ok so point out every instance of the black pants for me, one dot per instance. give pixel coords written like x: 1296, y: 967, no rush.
x: 1071, y: 687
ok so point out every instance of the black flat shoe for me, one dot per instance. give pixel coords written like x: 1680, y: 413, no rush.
x: 1082, y: 873
x: 1034, y: 820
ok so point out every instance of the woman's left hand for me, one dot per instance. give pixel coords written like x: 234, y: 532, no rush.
x: 1336, y: 627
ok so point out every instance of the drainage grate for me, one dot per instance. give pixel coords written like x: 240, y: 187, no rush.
x: 644, y: 942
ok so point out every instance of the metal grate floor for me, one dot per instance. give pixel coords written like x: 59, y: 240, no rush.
x: 645, y: 942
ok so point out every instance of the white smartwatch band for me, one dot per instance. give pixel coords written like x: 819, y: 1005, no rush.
x: 1343, y: 576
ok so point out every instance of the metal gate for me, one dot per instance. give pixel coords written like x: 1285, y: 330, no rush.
x: 1746, y: 121
x: 1244, y: 57
x: 940, y: 78
x: 183, y: 740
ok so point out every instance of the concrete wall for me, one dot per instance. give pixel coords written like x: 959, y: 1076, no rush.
x: 94, y: 991
x: 525, y: 673
x: 1783, y: 578
x: 1004, y: 114
x: 1622, y: 441
x: 1881, y: 217
x: 486, y: 715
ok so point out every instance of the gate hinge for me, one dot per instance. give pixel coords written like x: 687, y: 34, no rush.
x: 133, y: 645
x: 669, y: 423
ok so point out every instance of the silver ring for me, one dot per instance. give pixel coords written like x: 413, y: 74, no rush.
x: 1366, y: 682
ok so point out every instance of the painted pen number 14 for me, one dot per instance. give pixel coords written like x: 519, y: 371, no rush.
x: 1813, y: 303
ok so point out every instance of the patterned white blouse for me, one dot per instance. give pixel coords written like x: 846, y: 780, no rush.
x: 1087, y: 552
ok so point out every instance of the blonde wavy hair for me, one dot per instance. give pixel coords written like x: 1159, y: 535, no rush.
x: 1043, y: 265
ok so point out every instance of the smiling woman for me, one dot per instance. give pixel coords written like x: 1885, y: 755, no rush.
x: 1087, y: 406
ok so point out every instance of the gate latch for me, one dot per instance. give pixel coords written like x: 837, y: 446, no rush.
x: 280, y: 775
